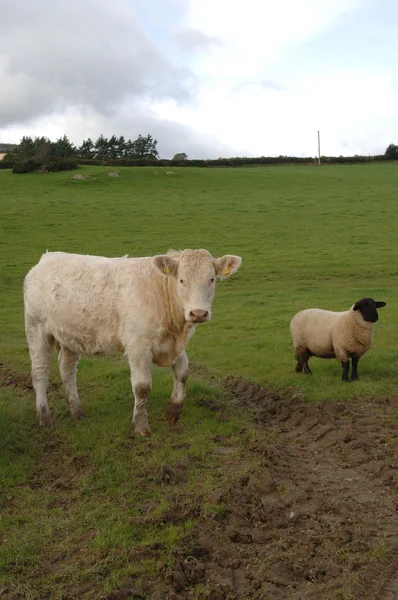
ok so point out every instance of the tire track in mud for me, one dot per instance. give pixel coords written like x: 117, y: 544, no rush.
x: 390, y: 591
x: 312, y: 507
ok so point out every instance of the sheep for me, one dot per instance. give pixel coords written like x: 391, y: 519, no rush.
x: 341, y: 335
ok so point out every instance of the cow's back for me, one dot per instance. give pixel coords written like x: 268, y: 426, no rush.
x: 81, y: 300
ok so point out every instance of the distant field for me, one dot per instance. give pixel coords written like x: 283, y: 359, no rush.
x: 309, y: 236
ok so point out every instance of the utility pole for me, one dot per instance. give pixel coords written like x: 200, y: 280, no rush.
x: 319, y: 149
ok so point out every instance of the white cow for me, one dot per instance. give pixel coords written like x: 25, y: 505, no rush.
x: 145, y: 307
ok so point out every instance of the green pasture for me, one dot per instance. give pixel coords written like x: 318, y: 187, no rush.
x: 93, y: 494
x: 308, y: 236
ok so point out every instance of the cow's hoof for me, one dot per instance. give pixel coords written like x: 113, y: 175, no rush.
x: 143, y: 431
x: 77, y: 415
x: 173, y: 412
x: 45, y: 419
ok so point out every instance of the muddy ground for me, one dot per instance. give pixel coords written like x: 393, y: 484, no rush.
x: 311, y: 511
x: 315, y: 519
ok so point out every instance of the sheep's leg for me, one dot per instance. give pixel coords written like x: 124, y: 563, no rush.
x: 302, y: 362
x: 346, y: 368
x: 299, y: 365
x: 354, y: 372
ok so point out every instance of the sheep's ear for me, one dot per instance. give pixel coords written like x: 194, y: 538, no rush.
x: 226, y: 265
x: 166, y: 264
x: 380, y: 304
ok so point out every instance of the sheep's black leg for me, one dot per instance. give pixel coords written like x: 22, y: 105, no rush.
x: 304, y: 361
x: 346, y: 368
x: 306, y: 368
x: 354, y: 372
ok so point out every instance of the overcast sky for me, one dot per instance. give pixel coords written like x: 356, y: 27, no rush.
x: 207, y: 77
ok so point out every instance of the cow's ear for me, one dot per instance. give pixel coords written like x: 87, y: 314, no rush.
x: 226, y: 265
x: 166, y: 264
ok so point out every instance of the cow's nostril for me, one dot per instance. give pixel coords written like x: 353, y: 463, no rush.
x: 198, y: 315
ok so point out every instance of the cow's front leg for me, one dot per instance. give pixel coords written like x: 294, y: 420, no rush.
x: 180, y: 369
x: 141, y: 382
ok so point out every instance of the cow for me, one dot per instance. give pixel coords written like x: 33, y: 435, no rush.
x: 145, y: 307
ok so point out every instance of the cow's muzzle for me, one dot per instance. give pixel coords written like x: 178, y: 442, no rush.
x: 198, y: 316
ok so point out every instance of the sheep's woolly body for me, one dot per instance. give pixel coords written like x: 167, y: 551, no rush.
x: 328, y: 334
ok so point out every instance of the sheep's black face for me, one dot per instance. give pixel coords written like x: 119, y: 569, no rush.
x: 368, y: 308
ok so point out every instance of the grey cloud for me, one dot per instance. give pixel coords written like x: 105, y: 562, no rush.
x: 55, y: 54
x: 92, y: 66
x: 172, y: 137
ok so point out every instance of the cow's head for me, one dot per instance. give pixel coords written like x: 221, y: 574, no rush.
x: 195, y: 273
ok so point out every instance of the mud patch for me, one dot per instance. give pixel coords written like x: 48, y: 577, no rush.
x: 312, y: 508
x: 13, y: 379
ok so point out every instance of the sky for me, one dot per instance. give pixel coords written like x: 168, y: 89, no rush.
x: 209, y: 78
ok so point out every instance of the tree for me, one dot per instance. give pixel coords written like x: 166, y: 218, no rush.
x: 42, y: 149
x: 63, y: 148
x: 144, y: 148
x: 113, y: 144
x: 121, y: 147
x: 392, y: 152
x: 128, y: 149
x: 180, y: 156
x: 86, y: 150
x: 101, y: 147
x: 25, y: 148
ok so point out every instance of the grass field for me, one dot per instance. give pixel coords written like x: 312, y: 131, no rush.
x: 91, y: 493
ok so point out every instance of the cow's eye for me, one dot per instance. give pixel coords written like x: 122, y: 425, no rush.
x: 181, y: 281
x: 212, y: 280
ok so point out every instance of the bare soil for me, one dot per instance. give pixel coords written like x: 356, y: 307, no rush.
x: 9, y: 378
x: 311, y: 512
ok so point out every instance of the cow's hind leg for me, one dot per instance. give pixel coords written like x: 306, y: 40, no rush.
x: 67, y: 362
x: 141, y: 382
x: 180, y: 369
x: 40, y: 347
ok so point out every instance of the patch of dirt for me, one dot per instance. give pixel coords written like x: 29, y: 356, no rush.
x: 312, y: 506
x: 9, y: 378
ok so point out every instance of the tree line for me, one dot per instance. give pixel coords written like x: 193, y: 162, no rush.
x: 41, y: 153
x: 42, y: 148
